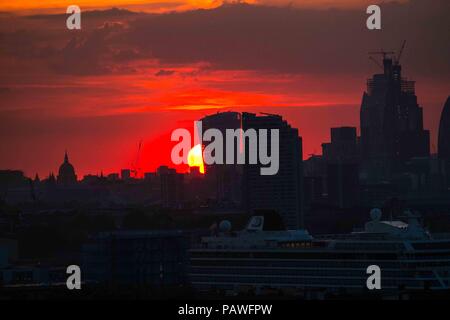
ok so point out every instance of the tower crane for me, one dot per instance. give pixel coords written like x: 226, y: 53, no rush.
x: 376, y: 62
x: 134, y: 166
x: 397, y: 60
x: 382, y: 52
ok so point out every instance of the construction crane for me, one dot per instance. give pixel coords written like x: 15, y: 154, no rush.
x: 376, y: 62
x: 382, y: 52
x: 397, y: 60
x: 134, y: 166
x: 385, y: 53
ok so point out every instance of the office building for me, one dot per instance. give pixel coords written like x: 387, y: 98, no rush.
x: 283, y: 191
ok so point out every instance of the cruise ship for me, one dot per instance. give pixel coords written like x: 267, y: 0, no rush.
x: 259, y: 259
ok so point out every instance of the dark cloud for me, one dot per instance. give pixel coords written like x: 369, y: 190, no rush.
x: 240, y: 36
x: 105, y: 14
x: 4, y: 90
x: 81, y: 56
x: 297, y: 40
x: 45, y: 40
x: 91, y: 53
x: 162, y: 73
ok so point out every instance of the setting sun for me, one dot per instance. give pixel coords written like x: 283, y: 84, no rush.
x: 195, y: 158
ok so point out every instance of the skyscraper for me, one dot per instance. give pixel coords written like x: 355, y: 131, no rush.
x: 224, y: 179
x: 172, y: 187
x: 282, y: 191
x: 343, y: 145
x: 444, y: 139
x: 444, y: 133
x: 391, y: 123
x: 342, y: 163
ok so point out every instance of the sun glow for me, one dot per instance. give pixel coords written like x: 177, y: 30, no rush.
x: 195, y: 158
x: 59, y: 6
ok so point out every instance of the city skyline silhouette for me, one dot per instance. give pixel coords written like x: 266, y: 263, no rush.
x: 99, y: 91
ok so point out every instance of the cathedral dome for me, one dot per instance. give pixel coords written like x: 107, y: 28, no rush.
x: 66, y: 173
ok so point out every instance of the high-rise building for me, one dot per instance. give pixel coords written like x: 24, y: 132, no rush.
x: 343, y: 145
x: 224, y: 179
x: 444, y: 139
x: 342, y: 163
x: 314, y: 177
x: 391, y: 123
x: 283, y: 191
x: 444, y: 133
x: 172, y: 187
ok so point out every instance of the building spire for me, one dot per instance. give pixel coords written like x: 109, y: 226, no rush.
x: 66, y: 157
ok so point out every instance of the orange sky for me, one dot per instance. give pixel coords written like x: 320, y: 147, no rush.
x: 54, y: 5
x: 164, y: 5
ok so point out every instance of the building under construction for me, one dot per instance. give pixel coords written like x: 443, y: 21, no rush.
x: 391, y: 122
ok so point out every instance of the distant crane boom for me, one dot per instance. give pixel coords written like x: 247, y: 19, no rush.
x: 135, y: 169
x: 376, y: 62
x: 401, y: 51
x: 386, y: 53
x: 382, y: 52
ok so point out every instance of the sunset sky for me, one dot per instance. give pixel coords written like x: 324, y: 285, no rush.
x: 169, y: 5
x: 138, y: 73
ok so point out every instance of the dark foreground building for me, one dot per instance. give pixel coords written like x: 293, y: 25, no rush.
x: 283, y: 191
x: 151, y: 258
